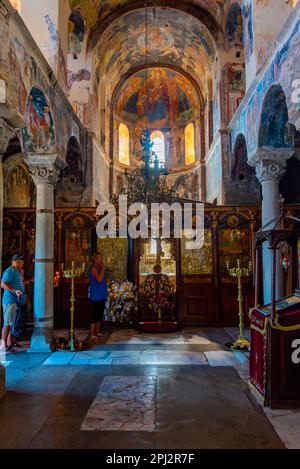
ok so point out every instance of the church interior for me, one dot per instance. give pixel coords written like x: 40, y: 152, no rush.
x: 191, y: 102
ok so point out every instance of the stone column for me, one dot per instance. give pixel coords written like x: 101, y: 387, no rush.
x: 2, y: 369
x: 5, y: 135
x: 44, y: 172
x: 202, y: 181
x: 270, y: 165
x: 1, y: 209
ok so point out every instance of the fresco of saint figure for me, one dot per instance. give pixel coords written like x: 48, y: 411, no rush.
x: 154, y: 99
x: 248, y: 28
x: 234, y: 26
x: 39, y: 132
x: 157, y: 98
x: 75, y: 33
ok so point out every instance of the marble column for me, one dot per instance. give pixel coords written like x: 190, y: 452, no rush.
x: 2, y: 369
x: 5, y: 135
x: 1, y: 210
x: 44, y: 172
x: 270, y: 165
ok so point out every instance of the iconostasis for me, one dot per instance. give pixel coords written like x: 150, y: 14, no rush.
x: 205, y: 293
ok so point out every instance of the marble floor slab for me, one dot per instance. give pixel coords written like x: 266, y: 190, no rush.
x: 123, y: 403
x: 24, y: 374
x: 4, y: 362
x: 125, y: 357
x: 224, y: 358
x: 165, y: 357
x: 59, y: 358
x: 287, y: 425
x: 238, y: 360
x: 188, y: 336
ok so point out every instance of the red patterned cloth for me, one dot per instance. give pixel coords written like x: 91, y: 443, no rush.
x: 260, y: 355
x: 258, y: 352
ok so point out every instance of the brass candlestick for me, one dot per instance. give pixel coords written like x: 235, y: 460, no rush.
x: 242, y: 343
x: 158, y: 269
x: 72, y: 274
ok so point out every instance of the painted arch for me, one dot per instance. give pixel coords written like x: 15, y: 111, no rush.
x: 101, y: 13
x: 176, y: 38
x: 274, y: 119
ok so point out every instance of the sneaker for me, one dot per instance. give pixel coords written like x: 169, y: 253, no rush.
x: 99, y: 334
x: 9, y: 348
x: 16, y: 345
x: 94, y: 337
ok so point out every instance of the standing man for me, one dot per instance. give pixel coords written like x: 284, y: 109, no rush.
x: 14, y: 288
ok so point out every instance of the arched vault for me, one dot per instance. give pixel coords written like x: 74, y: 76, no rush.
x: 207, y: 12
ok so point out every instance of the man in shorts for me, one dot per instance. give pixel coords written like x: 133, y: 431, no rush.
x: 13, y: 285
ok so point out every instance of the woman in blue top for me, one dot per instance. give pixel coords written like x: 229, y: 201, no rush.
x: 97, y: 293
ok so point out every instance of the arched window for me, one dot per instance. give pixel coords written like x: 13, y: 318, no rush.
x: 158, y: 148
x: 124, y: 144
x: 189, y: 137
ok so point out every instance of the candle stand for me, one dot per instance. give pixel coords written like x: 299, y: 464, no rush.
x: 73, y: 345
x: 241, y: 343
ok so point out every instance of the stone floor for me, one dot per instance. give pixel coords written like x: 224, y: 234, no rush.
x: 134, y: 390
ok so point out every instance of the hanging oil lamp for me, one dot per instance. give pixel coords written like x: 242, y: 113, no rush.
x: 285, y: 261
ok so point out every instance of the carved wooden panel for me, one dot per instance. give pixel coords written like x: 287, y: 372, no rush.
x: 197, y: 305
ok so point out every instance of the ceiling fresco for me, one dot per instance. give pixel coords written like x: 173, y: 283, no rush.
x: 174, y: 38
x: 99, y: 10
x: 89, y: 9
x: 159, y: 98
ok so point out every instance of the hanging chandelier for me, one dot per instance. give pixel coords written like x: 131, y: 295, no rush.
x: 149, y: 157
x: 147, y: 184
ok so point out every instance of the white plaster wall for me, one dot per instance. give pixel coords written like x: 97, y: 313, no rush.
x: 213, y: 164
x: 269, y: 17
x: 79, y: 91
x: 33, y: 13
x: 62, y: 24
x: 100, y: 174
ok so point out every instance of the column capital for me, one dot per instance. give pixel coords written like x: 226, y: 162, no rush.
x: 44, y: 169
x: 270, y: 163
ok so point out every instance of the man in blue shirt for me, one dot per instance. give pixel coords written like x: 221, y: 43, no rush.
x: 13, y: 284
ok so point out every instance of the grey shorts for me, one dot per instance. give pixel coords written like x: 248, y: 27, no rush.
x: 9, y: 314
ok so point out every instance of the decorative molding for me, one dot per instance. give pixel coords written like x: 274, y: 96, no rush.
x: 47, y: 211
x: 44, y: 175
x: 44, y: 169
x: 270, y: 163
